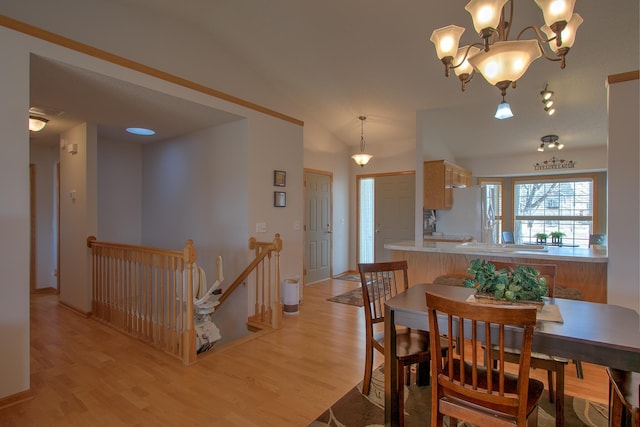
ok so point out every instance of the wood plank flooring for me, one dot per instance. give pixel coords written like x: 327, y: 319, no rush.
x: 85, y: 374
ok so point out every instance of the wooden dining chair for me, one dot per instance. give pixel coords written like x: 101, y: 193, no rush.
x: 552, y: 364
x: 624, y: 398
x: 380, y: 282
x: 466, y: 389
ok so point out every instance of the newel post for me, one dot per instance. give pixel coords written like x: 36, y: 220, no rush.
x: 189, y: 336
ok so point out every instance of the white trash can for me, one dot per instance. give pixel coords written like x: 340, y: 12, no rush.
x: 290, y: 297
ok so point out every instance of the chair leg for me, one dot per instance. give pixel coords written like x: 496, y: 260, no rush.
x: 550, y: 382
x: 400, y: 387
x: 422, y: 375
x: 578, y: 369
x: 368, y: 370
x: 560, y: 395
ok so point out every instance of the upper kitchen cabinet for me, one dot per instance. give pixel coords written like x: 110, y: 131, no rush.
x: 440, y: 177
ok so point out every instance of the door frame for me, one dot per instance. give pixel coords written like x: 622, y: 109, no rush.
x: 374, y: 176
x: 305, y: 171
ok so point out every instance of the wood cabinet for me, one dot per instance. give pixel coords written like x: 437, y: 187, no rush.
x: 440, y: 177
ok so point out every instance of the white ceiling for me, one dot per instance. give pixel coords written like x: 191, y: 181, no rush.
x: 342, y: 59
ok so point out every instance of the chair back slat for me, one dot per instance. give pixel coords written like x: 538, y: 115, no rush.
x: 380, y: 282
x: 473, y: 324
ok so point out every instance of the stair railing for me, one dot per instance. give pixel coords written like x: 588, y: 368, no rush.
x: 146, y: 293
x: 263, y: 277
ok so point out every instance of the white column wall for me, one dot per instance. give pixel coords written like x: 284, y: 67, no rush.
x: 623, y: 281
x: 14, y: 216
x: 78, y: 214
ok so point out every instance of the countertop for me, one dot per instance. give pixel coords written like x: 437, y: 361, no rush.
x: 447, y: 238
x: 535, y: 252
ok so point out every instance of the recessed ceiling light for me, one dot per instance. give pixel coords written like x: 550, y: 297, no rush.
x: 141, y: 131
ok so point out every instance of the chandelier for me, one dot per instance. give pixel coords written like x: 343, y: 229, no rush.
x: 502, y: 61
x: 361, y: 158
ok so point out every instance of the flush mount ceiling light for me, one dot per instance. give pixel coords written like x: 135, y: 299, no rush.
x: 551, y: 141
x: 141, y: 131
x: 361, y: 158
x: 37, y: 123
x: 502, y: 61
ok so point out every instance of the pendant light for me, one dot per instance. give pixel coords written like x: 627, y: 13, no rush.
x: 361, y: 158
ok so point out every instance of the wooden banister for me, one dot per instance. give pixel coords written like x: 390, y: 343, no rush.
x: 148, y: 292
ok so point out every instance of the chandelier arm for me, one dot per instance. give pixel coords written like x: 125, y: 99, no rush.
x: 540, y: 38
x: 452, y: 66
x: 507, y: 24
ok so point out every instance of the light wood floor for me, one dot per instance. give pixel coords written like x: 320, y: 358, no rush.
x: 85, y: 374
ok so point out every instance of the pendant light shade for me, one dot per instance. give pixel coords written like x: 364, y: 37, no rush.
x: 506, y: 61
x: 503, y: 111
x: 485, y: 14
x: 362, y: 158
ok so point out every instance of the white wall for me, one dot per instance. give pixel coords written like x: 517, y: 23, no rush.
x: 585, y: 160
x: 14, y: 86
x: 322, y: 152
x: 45, y: 160
x: 14, y: 216
x: 119, y: 190
x: 78, y: 213
x: 196, y: 187
x: 624, y: 196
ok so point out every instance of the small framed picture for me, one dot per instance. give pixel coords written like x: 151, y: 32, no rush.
x: 280, y: 178
x: 279, y: 199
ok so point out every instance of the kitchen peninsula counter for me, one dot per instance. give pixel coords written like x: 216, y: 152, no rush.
x: 584, y: 269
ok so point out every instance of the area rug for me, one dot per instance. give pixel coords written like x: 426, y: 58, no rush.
x: 352, y: 297
x: 357, y: 410
x: 351, y: 277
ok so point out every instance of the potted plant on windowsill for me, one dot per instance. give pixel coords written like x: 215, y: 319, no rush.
x: 541, y: 238
x: 556, y: 237
x: 520, y: 285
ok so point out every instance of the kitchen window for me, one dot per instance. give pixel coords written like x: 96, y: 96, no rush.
x: 555, y: 204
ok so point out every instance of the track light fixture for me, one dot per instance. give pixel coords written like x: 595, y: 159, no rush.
x: 551, y: 141
x: 547, y: 100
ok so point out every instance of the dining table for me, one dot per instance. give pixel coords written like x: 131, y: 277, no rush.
x: 602, y: 334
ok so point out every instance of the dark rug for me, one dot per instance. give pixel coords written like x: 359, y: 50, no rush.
x: 352, y: 297
x: 356, y: 410
x: 351, y: 277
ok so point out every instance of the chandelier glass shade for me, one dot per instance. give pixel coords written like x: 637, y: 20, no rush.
x: 506, y: 61
x: 361, y: 158
x: 499, y: 60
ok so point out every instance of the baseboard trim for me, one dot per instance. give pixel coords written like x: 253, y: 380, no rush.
x: 74, y: 309
x: 15, y: 399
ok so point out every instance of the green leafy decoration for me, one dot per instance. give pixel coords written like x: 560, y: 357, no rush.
x: 522, y: 283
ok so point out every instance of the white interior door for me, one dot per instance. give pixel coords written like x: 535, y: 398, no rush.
x: 318, y: 227
x: 394, y: 212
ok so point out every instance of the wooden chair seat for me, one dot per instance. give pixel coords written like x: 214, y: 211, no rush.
x: 510, y: 385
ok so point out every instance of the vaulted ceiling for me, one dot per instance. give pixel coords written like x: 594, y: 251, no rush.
x: 343, y: 59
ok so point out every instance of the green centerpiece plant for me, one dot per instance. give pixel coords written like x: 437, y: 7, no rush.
x: 519, y: 284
